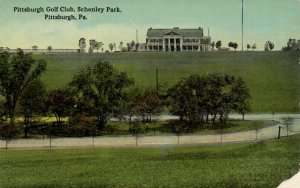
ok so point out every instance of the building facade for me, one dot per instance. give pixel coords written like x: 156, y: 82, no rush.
x: 177, y: 40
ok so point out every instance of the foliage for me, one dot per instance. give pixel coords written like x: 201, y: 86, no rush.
x: 218, y: 44
x: 147, y: 104
x: 7, y: 131
x: 213, y: 45
x: 269, y: 46
x: 253, y: 46
x: 233, y: 45
x: 16, y: 73
x: 248, y: 46
x: 292, y: 45
x: 60, y: 102
x: 82, y: 44
x: 102, y: 89
x: 49, y: 48
x: 31, y: 101
x: 111, y: 47
x: 81, y: 125
x: 197, y: 97
x: 35, y: 48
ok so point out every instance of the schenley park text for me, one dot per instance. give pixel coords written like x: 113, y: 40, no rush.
x: 67, y: 9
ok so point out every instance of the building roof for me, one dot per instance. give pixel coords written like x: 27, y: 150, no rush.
x: 182, y: 32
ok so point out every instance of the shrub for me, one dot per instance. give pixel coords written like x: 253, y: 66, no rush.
x: 81, y: 125
x: 7, y: 131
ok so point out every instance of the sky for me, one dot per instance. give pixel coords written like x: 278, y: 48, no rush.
x: 264, y: 20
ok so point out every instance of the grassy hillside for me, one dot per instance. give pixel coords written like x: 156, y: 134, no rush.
x: 263, y: 164
x: 273, y: 77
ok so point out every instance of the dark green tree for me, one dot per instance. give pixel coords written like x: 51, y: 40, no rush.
x: 60, y: 102
x: 111, y: 47
x: 248, y: 46
x: 195, y: 98
x: 148, y: 104
x: 16, y: 73
x: 31, y: 102
x: 218, y: 44
x: 213, y: 45
x: 233, y: 45
x: 269, y: 46
x: 103, y: 87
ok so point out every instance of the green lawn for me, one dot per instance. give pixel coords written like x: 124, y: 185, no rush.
x: 163, y: 127
x: 273, y: 77
x: 262, y: 164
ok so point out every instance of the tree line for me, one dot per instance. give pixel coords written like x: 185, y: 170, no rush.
x: 99, y: 92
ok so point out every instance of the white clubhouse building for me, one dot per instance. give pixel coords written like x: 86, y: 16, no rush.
x: 177, y: 40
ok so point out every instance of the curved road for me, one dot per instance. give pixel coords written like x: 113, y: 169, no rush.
x: 265, y: 133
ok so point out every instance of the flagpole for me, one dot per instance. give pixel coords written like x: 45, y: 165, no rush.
x: 242, y: 25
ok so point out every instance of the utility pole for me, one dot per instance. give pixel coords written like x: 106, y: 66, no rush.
x: 136, y: 36
x: 157, y: 80
x: 242, y: 25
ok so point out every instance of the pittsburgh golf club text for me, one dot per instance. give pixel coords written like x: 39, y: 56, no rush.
x: 68, y: 13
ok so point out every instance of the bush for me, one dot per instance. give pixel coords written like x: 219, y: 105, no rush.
x: 7, y: 131
x: 137, y: 128
x: 109, y: 129
x: 81, y: 125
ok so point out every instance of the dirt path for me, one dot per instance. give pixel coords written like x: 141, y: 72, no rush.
x: 123, y: 141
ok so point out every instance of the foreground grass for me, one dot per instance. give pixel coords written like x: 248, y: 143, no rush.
x: 273, y: 77
x: 263, y: 164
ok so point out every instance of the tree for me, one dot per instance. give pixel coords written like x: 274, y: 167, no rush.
x: 253, y: 46
x: 197, y: 97
x: 132, y: 44
x: 129, y: 47
x: 233, y: 45
x: 16, y: 73
x: 82, y: 44
x: 137, y: 46
x: 121, y: 46
x: 93, y: 45
x: 248, y: 47
x: 49, y: 48
x: 35, y: 48
x: 269, y: 46
x: 133, y: 94
x: 60, y: 102
x: 148, y: 104
x: 111, y: 46
x: 241, y: 97
x: 218, y: 44
x: 31, y: 101
x: 103, y: 87
x: 213, y: 45
x: 98, y: 46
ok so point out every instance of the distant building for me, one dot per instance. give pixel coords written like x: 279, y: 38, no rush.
x: 177, y: 40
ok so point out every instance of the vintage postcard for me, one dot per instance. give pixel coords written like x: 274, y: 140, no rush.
x: 158, y: 93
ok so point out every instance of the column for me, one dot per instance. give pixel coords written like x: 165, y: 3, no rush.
x: 181, y: 41
x: 164, y: 47
x: 175, y: 45
x: 169, y: 45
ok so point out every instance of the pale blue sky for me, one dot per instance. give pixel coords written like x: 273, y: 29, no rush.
x: 274, y: 20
